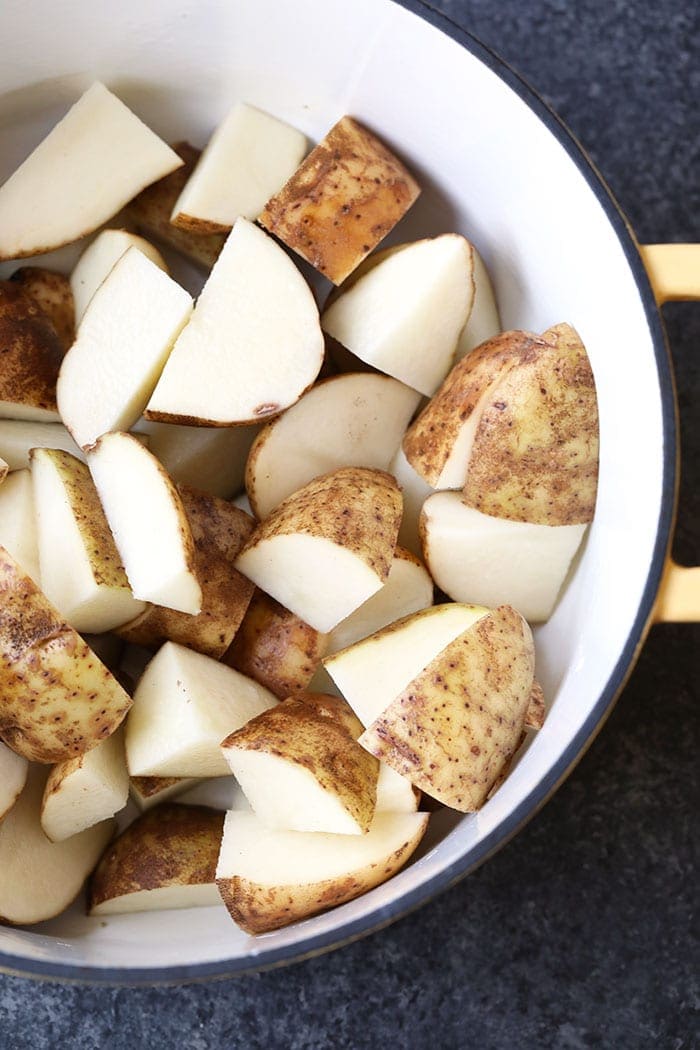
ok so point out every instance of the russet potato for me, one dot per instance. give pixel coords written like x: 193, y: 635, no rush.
x: 32, y: 356
x: 51, y: 291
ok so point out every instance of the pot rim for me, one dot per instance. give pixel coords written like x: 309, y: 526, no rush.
x: 382, y: 916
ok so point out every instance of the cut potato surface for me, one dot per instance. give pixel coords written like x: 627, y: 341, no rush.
x: 95, y: 159
x: 254, y: 343
x: 124, y: 339
x: 40, y: 878
x: 81, y: 572
x: 83, y: 791
x: 414, y: 492
x: 455, y: 725
x: 222, y: 793
x: 484, y: 320
x: 52, y: 293
x: 372, y: 672
x: 343, y: 200
x: 99, y: 258
x: 269, y: 878
x: 13, y: 776
x: 340, y: 527
x: 31, y: 357
x: 165, y: 859
x: 493, y: 561
x: 353, y: 420
x: 149, y: 791
x: 211, y: 459
x: 395, y: 794
x: 18, y: 436
x: 405, y: 314
x: 249, y: 157
x: 58, y: 699
x: 18, y: 532
x: 184, y: 706
x: 148, y: 521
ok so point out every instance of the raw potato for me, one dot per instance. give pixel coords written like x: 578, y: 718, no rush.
x: 151, y: 212
x: 124, y: 339
x: 52, y: 293
x: 222, y: 793
x: 414, y: 491
x: 212, y: 459
x: 484, y: 320
x: 535, y: 452
x: 18, y: 532
x: 372, y: 672
x: 269, y: 879
x: 99, y: 258
x: 18, y: 437
x: 455, y: 725
x: 148, y: 792
x: 340, y: 527
x: 395, y: 794
x: 219, y: 530
x: 148, y: 521
x: 343, y: 200
x: 165, y: 859
x: 81, y: 572
x: 184, y: 706
x: 83, y: 791
x: 345, y: 421
x: 493, y: 561
x: 40, y: 878
x: 249, y: 157
x: 275, y: 647
x: 32, y: 355
x: 301, y: 768
x: 254, y: 344
x: 13, y: 776
x: 4, y: 470
x: 92, y: 162
x: 406, y: 313
x: 536, y: 708
x: 58, y: 699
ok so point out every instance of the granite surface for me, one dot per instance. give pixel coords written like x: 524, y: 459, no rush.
x: 580, y: 933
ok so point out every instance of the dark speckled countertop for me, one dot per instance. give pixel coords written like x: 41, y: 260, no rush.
x: 580, y: 932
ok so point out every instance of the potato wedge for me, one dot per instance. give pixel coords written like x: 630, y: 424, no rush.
x: 414, y: 492
x: 275, y: 647
x: 341, y: 526
x: 32, y: 355
x: 269, y: 879
x: 165, y: 859
x: 343, y: 200
x: 58, y: 699
x: 484, y: 320
x: 453, y: 727
x: 19, y: 436
x: 148, y: 792
x: 52, y: 293
x: 211, y: 459
x: 13, y: 776
x: 40, y: 878
x: 80, y: 792
x: 345, y: 421
x: 100, y: 258
x: 219, y: 531
x: 18, y: 532
x: 536, y: 708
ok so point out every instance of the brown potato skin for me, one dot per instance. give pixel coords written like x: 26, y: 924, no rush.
x: 219, y: 531
x: 52, y: 293
x: 536, y: 710
x: 150, y: 212
x: 148, y: 786
x: 342, y: 201
x: 275, y: 647
x: 170, y: 845
x: 58, y: 700
x: 458, y: 722
x: 309, y: 735
x: 31, y: 350
x: 327, y: 706
x: 535, y: 453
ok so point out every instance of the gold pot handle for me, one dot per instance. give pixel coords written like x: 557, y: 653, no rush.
x: 674, y: 272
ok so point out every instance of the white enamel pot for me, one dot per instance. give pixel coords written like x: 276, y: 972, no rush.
x: 558, y: 249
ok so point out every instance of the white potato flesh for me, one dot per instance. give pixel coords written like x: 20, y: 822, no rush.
x: 395, y: 794
x: 161, y: 898
x: 99, y: 259
x: 90, y: 165
x: 477, y: 558
x: 405, y: 315
x: 484, y: 320
x: 171, y: 787
x: 148, y: 521
x: 124, y: 339
x: 18, y: 531
x: 218, y: 793
x: 297, y: 569
x: 414, y: 491
x: 13, y: 776
x: 456, y: 465
x: 89, y: 789
x: 353, y: 420
x: 254, y: 343
x: 40, y: 878
x: 285, y: 795
x: 371, y: 673
x: 18, y: 436
x: 80, y: 575
x: 211, y: 459
x: 184, y: 706
x: 248, y: 159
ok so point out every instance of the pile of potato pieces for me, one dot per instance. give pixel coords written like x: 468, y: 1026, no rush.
x: 133, y: 538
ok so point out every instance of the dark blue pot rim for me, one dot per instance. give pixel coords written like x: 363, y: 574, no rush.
x: 383, y: 916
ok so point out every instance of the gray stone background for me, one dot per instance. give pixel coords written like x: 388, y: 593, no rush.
x: 580, y: 932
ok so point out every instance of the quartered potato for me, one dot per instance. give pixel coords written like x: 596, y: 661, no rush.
x: 52, y: 293
x: 31, y: 357
x: 100, y: 258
